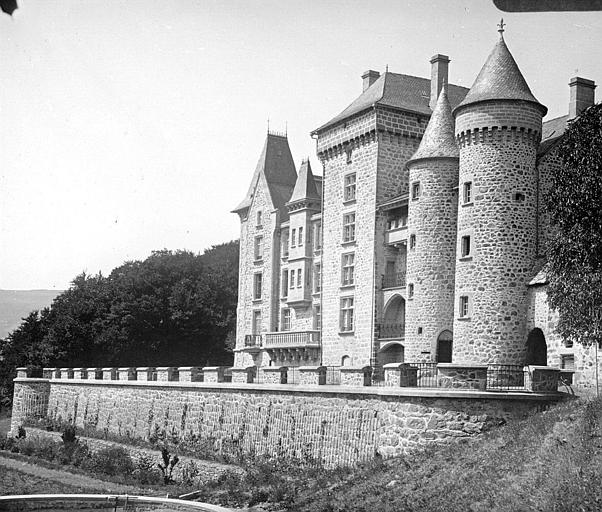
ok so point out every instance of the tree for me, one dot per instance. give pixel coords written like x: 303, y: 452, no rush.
x: 575, y: 249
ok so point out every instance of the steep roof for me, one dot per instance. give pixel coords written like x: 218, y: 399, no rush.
x: 551, y: 132
x: 305, y: 187
x: 276, y: 166
x: 405, y: 92
x: 438, y: 140
x: 500, y: 79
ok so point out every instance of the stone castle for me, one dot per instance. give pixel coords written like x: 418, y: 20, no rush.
x: 424, y: 239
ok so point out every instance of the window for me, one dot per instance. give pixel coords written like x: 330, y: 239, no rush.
x: 299, y: 280
x: 416, y: 190
x: 258, y: 248
x: 292, y: 278
x: 317, y: 278
x: 349, y: 227
x: 258, y: 223
x: 347, y: 314
x: 467, y: 192
x: 348, y: 269
x: 285, y: 244
x: 286, y: 320
x: 464, y: 306
x: 317, y: 236
x: 410, y: 290
x: 257, y: 278
x: 300, y: 237
x: 317, y: 317
x: 465, y: 246
x: 348, y: 153
x: 412, y: 242
x: 285, y: 283
x: 567, y: 362
x: 293, y: 235
x: 256, y: 322
x: 519, y: 197
x: 349, y: 187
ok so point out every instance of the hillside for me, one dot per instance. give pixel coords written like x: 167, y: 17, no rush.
x: 16, y: 304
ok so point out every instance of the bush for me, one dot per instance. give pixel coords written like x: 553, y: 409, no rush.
x: 41, y: 447
x: 146, y: 471
x: 111, y: 461
x: 68, y: 436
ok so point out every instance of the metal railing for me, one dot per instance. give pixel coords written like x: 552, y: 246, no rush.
x: 332, y: 376
x: 291, y: 339
x: 384, y: 331
x: 394, y: 280
x: 505, y: 377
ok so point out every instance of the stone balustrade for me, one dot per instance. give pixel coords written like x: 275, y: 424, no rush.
x: 465, y: 377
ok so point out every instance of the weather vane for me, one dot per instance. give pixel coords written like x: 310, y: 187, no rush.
x: 501, y: 26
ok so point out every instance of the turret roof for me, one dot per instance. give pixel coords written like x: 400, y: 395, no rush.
x: 305, y: 187
x: 500, y: 79
x: 438, y: 140
x: 277, y: 167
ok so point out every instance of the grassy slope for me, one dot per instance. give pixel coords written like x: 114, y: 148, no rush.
x: 549, y: 461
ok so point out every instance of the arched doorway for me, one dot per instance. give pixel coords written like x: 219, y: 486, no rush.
x: 394, y: 318
x: 537, y: 349
x: 391, y: 353
x: 445, y: 343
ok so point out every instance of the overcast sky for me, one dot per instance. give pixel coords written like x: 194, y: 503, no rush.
x: 131, y: 126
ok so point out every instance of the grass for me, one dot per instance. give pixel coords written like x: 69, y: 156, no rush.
x: 15, y: 482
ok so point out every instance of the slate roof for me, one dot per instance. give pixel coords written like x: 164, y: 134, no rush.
x: 276, y: 166
x: 305, y: 187
x: 551, y: 131
x: 438, y: 140
x: 404, y: 92
x: 500, y: 79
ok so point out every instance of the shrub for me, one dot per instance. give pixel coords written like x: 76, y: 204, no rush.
x: 21, y: 433
x: 146, y: 471
x: 169, y: 461
x: 68, y: 435
x: 111, y: 461
x: 41, y: 447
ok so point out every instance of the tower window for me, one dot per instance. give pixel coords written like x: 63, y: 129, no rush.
x: 347, y: 314
x: 349, y: 187
x: 463, y: 306
x: 299, y: 280
x: 285, y: 244
x: 286, y: 320
x: 349, y: 227
x: 412, y: 241
x: 259, y: 214
x: 292, y: 278
x: 300, y: 237
x: 467, y: 192
x: 348, y: 154
x: 285, y: 283
x: 348, y: 269
x: 257, y: 279
x: 293, y: 238
x: 519, y: 197
x: 317, y: 236
x: 465, y: 246
x: 410, y: 290
x: 317, y: 277
x: 256, y: 327
x: 416, y: 190
x: 258, y: 248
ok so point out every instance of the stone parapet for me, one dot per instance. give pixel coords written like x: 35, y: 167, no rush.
x: 109, y: 373
x: 146, y: 373
x: 243, y: 375
x: 462, y: 376
x: 214, y: 373
x: 312, y: 375
x: 22, y: 372
x: 80, y: 373
x: 48, y: 373
x: 358, y: 376
x: 400, y: 375
x: 274, y: 375
x: 167, y: 374
x: 126, y: 373
x: 191, y: 374
x: 541, y: 379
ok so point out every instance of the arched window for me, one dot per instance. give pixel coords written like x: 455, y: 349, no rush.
x: 537, y: 349
x: 394, y: 319
x: 345, y: 361
x: 392, y: 353
x: 445, y: 343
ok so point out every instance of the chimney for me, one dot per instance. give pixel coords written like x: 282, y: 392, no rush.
x: 582, y: 95
x: 369, y: 77
x: 439, y: 72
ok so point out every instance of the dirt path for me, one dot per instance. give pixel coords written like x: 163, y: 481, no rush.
x: 67, y: 478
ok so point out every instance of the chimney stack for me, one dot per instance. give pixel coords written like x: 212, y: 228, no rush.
x: 369, y: 77
x: 439, y: 72
x: 582, y: 95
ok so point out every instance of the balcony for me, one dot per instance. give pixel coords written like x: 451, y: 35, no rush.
x: 253, y: 343
x: 293, y: 348
x: 390, y: 331
x: 292, y: 339
x: 397, y: 231
x: 394, y: 280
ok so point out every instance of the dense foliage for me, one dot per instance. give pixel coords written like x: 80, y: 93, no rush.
x: 575, y: 250
x: 172, y: 309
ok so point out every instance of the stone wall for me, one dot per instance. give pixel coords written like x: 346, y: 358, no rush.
x: 336, y: 427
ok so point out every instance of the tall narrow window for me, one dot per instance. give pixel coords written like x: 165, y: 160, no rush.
x: 292, y: 278
x: 349, y: 227
x: 467, y: 192
x: 412, y: 242
x: 410, y: 290
x: 465, y: 246
x: 293, y: 239
x: 286, y: 320
x: 317, y: 317
x: 348, y: 269
x: 256, y: 322
x: 349, y: 187
x: 416, y: 190
x: 347, y: 314
x: 258, y: 248
x: 299, y: 279
x: 285, y: 283
x: 317, y: 236
x: 259, y: 214
x: 300, y: 237
x: 285, y: 243
x: 257, y: 278
x: 317, y: 277
x: 463, y: 306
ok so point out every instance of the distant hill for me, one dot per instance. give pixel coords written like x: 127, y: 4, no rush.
x: 16, y: 304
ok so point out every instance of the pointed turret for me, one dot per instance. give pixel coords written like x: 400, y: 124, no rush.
x: 438, y: 140
x: 305, y: 188
x: 500, y: 79
x: 277, y: 167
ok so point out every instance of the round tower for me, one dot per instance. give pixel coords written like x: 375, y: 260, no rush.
x: 498, y: 129
x: 432, y: 217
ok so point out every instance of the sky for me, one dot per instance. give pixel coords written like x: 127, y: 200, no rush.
x: 132, y: 126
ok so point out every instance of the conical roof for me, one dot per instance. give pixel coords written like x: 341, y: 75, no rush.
x: 438, y: 140
x: 500, y: 79
x: 305, y: 187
